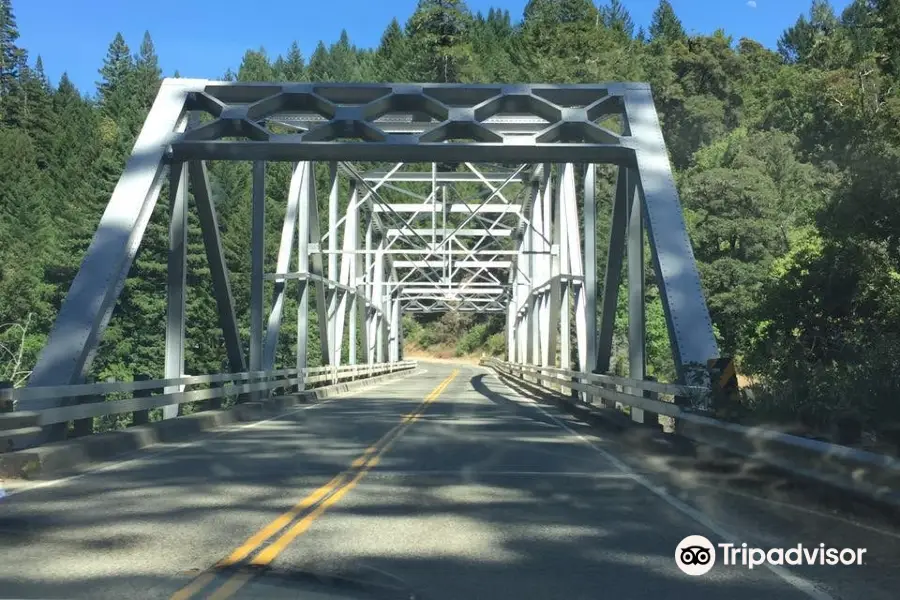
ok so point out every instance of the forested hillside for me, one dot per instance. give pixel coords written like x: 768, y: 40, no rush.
x: 787, y: 159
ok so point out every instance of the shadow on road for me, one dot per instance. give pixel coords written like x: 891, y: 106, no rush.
x: 476, y: 500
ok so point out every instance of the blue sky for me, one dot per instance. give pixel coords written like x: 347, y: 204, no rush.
x: 203, y: 38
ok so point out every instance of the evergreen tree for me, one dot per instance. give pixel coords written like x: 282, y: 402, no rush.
x: 10, y: 54
x: 616, y: 17
x: 147, y: 78
x: 665, y: 24
x: 440, y: 46
x: 113, y: 89
x: 26, y: 240
x: 29, y: 107
x: 813, y: 41
x: 392, y: 57
x: 292, y: 67
x: 344, y: 59
x: 887, y: 14
x: 319, y: 64
x: 255, y: 66
x: 554, y: 12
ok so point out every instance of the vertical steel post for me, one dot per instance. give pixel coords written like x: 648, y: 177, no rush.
x: 544, y: 260
x: 334, y: 350
x: 687, y: 316
x: 589, y: 360
x: 218, y: 269
x: 371, y: 314
x: 257, y: 264
x: 282, y: 263
x: 614, y: 258
x: 434, y: 200
x: 395, y: 329
x: 176, y: 281
x: 379, y: 293
x: 351, y: 232
x: 563, y: 228
x: 303, y: 229
x: 637, y: 360
x: 84, y: 314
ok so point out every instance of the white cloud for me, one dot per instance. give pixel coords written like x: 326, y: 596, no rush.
x: 751, y: 3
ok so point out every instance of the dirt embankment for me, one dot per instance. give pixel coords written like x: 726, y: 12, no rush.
x: 440, y: 356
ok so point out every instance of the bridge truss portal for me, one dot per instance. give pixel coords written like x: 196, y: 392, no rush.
x: 457, y: 197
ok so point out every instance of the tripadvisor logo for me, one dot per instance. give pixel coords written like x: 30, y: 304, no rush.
x: 696, y: 555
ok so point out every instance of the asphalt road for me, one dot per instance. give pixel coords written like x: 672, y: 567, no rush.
x: 446, y: 484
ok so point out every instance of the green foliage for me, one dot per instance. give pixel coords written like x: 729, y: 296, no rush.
x: 665, y: 24
x: 439, y: 41
x: 554, y: 12
x: 496, y: 345
x: 11, y: 56
x: 472, y: 340
x: 616, y: 17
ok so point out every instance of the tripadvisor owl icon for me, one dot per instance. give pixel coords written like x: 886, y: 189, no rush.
x: 695, y: 555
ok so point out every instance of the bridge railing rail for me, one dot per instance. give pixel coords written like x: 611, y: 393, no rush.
x: 873, y: 475
x: 34, y: 402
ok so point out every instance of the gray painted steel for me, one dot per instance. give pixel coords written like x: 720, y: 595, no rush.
x: 687, y: 317
x: 176, y: 278
x: 421, y: 251
x: 215, y: 256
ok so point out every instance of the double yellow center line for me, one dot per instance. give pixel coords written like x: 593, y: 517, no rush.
x: 299, y: 518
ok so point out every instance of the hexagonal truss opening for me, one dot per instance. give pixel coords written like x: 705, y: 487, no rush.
x: 441, y: 122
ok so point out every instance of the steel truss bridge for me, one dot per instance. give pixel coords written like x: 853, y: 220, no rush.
x: 521, y: 240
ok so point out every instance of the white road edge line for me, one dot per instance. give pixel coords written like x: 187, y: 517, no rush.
x: 799, y: 583
x: 144, y: 453
x: 794, y: 507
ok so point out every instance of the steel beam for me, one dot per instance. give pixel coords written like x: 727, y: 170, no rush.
x: 442, y: 176
x: 288, y: 230
x: 257, y: 264
x: 496, y: 232
x: 637, y: 326
x: 589, y: 359
x: 687, y: 316
x: 418, y: 264
x: 215, y: 257
x: 304, y: 198
x: 422, y: 209
x: 286, y: 148
x: 86, y: 310
x: 176, y: 281
x: 614, y: 258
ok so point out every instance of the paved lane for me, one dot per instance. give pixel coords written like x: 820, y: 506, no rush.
x: 453, y: 486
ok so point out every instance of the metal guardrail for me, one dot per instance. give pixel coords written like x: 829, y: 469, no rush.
x: 874, y: 475
x: 241, y: 383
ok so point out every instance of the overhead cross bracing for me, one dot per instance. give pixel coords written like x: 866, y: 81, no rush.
x: 437, y: 197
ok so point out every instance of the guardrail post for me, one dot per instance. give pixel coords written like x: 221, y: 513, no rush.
x: 141, y: 417
x: 647, y: 418
x: 82, y: 427
x: 244, y: 396
x: 6, y: 401
x: 214, y: 403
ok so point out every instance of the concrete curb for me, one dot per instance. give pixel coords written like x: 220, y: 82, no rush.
x: 32, y: 463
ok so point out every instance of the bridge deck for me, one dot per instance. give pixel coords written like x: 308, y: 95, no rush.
x: 477, y: 492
